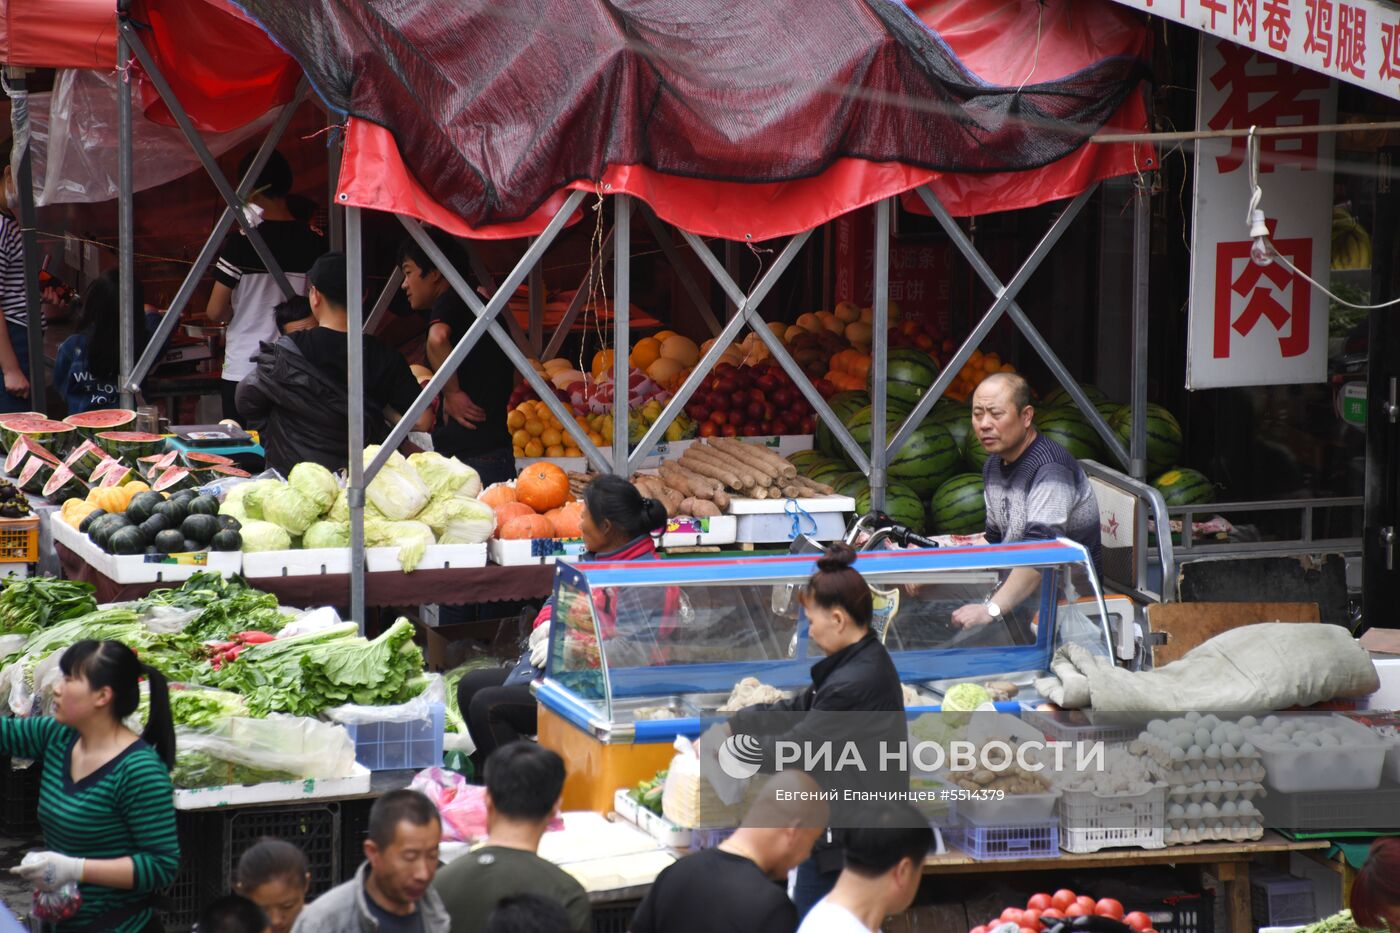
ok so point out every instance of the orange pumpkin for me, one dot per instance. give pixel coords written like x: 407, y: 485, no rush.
x: 542, y: 486
x: 567, y: 520
x: 497, y: 495
x: 524, y: 527
x: 508, y: 510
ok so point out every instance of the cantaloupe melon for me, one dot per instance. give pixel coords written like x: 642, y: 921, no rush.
x: 681, y: 349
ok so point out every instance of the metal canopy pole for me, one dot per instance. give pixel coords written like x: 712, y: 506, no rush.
x: 622, y: 305
x: 566, y: 323
x: 187, y: 127
x: 744, y: 304
x: 485, y: 322
x: 879, y: 363
x: 386, y: 298
x: 126, y: 223
x: 697, y: 298
x: 214, y: 243
x: 1137, y: 447
x: 536, y: 289
x: 1005, y: 302
x: 28, y: 230
x: 488, y: 281
x: 355, y: 370
x: 335, y: 151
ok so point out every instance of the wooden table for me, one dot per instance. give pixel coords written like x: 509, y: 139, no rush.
x: 1228, y: 861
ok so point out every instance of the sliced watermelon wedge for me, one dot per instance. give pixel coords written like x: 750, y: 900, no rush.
x: 157, y: 464
x: 64, y: 485
x: 130, y: 444
x: 25, y: 447
x: 231, y: 470
x: 174, y: 479
x: 53, y: 435
x: 89, y: 423
x: 197, y: 460
x: 85, y: 458
x: 34, y: 474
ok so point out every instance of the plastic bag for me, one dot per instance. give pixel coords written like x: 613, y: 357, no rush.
x: 167, y: 620
x: 291, y: 746
x: 420, y: 707
x: 461, y: 806
x: 313, y: 620
x: 12, y: 644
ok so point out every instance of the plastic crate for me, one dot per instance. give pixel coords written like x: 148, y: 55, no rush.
x: 1178, y: 913
x: 1073, y: 726
x: 194, y: 885
x: 984, y: 843
x: 1279, y: 900
x: 1333, y: 810
x: 393, y: 746
x: 313, y: 829
x: 614, y: 918
x: 19, y: 798
x: 1089, y: 822
x: 708, y: 838
x: 19, y: 540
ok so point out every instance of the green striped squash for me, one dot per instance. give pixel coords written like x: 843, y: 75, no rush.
x: 844, y: 404
x: 959, y: 506
x: 1185, y: 487
x: 1058, y: 396
x: 909, y: 372
x: 901, y: 504
x: 930, y: 457
x: 1070, y: 429
x: 1163, y: 435
x: 851, y: 483
x: 805, y: 458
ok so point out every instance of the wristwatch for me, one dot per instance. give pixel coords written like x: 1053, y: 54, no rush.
x: 993, y: 609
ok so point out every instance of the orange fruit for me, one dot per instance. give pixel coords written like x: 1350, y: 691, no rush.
x: 520, y: 438
x: 534, y: 448
x: 534, y: 427
x: 572, y: 452
x: 551, y: 438
x: 554, y: 450
x: 515, y: 420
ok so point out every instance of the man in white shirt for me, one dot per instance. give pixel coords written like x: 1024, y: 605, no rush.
x: 884, y: 864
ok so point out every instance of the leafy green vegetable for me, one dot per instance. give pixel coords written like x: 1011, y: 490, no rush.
x: 456, y: 722
x: 459, y: 521
x: 196, y: 708
x: 397, y: 491
x: 201, y: 769
x: 327, y: 534
x: 264, y: 536
x: 286, y: 507
x: 445, y: 476
x: 1341, y: 922
x: 316, y: 484
x: 250, y: 496
x: 229, y: 605
x: 28, y: 605
x: 309, y: 673
x: 177, y: 655
x: 411, y: 538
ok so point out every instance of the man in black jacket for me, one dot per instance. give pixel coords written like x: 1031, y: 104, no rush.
x: 297, y: 395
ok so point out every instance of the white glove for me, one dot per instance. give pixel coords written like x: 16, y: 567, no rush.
x: 539, y: 645
x: 49, y: 871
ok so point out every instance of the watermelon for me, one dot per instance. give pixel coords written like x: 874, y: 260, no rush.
x: 859, y: 424
x: 1069, y: 428
x: 850, y: 484
x: 21, y: 416
x: 975, y: 455
x: 947, y: 408
x: 909, y: 373
x: 1163, y: 435
x: 844, y: 404
x: 54, y: 436
x: 231, y: 470
x: 805, y: 458
x: 901, y: 504
x: 196, y: 460
x: 156, y: 464
x: 25, y: 447
x: 89, y: 423
x: 130, y: 444
x: 86, y: 457
x: 174, y: 479
x: 959, y: 507
x: 826, y: 472
x: 64, y: 484
x: 107, y: 465
x: 1058, y: 396
x: 928, y: 458
x: 957, y: 418
x: 33, y: 474
x: 1185, y: 487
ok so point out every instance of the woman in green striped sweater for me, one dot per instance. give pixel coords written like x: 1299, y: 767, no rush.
x: 105, y: 799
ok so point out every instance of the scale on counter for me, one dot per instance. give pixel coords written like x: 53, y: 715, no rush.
x: 215, y: 439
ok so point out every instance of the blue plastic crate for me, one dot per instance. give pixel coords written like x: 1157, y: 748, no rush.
x: 983, y: 843
x: 391, y: 746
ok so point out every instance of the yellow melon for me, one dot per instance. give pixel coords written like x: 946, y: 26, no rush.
x: 666, y: 371
x: 681, y: 349
x: 847, y: 311
x: 810, y: 322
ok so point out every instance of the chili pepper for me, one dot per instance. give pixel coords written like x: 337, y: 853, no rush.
x: 254, y: 637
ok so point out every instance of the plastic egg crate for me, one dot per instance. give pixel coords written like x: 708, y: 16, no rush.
x: 1196, y: 748
x: 1318, y: 753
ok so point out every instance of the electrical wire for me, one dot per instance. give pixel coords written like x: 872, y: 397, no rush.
x: 1256, y: 196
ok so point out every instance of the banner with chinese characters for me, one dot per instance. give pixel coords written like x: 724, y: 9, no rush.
x: 1253, y: 324
x: 1357, y: 41
x: 919, y: 269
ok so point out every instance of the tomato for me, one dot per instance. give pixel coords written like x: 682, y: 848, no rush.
x: 1077, y: 910
x: 1011, y: 915
x: 1038, y: 902
x: 1051, y: 913
x: 1087, y: 903
x: 1108, y: 907
x: 1139, y: 921
x: 1062, y: 899
x: 1029, y: 930
x: 978, y: 930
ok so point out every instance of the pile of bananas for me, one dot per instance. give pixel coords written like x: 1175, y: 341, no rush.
x: 1351, y: 244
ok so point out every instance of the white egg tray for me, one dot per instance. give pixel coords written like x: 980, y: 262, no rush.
x: 1193, y: 835
x: 1240, y: 772
x: 1353, y: 761
x: 1214, y: 792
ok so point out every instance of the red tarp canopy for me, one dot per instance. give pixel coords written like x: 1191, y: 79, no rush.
x: 889, y: 97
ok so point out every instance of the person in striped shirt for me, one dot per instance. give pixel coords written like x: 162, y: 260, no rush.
x: 106, y: 804
x: 14, y: 336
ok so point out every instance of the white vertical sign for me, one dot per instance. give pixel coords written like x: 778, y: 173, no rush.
x: 1253, y: 324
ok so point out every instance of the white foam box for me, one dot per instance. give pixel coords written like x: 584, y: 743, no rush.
x: 522, y: 552
x: 783, y: 445
x: 232, y: 795
x: 142, y: 568
x: 312, y: 562
x: 1355, y: 765
x: 435, y: 557
x: 684, y: 531
x: 765, y: 521
x: 658, y: 827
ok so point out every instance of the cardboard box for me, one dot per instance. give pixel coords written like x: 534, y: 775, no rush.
x: 448, y: 646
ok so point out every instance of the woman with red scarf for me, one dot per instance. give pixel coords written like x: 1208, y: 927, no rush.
x: 618, y: 524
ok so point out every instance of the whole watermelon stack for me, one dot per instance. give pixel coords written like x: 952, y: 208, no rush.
x: 844, y: 404
x: 901, y: 504
x: 957, y: 418
x: 1058, y: 397
x: 958, y: 506
x: 1163, y: 435
x: 927, y: 459
x: 909, y: 373
x: 1067, y: 426
x: 1185, y: 487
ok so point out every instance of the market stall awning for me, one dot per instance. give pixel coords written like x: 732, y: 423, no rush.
x: 1357, y: 41
x: 58, y: 33
x: 744, y: 123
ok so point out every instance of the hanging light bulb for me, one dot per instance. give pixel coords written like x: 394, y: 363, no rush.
x: 1261, y: 252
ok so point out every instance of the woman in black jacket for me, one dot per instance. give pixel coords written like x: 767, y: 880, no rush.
x: 856, y: 677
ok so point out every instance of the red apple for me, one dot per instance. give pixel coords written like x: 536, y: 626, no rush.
x: 739, y: 401
x: 755, y: 410
x: 729, y: 430
x: 708, y: 429
x: 718, y: 401
x: 719, y: 417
